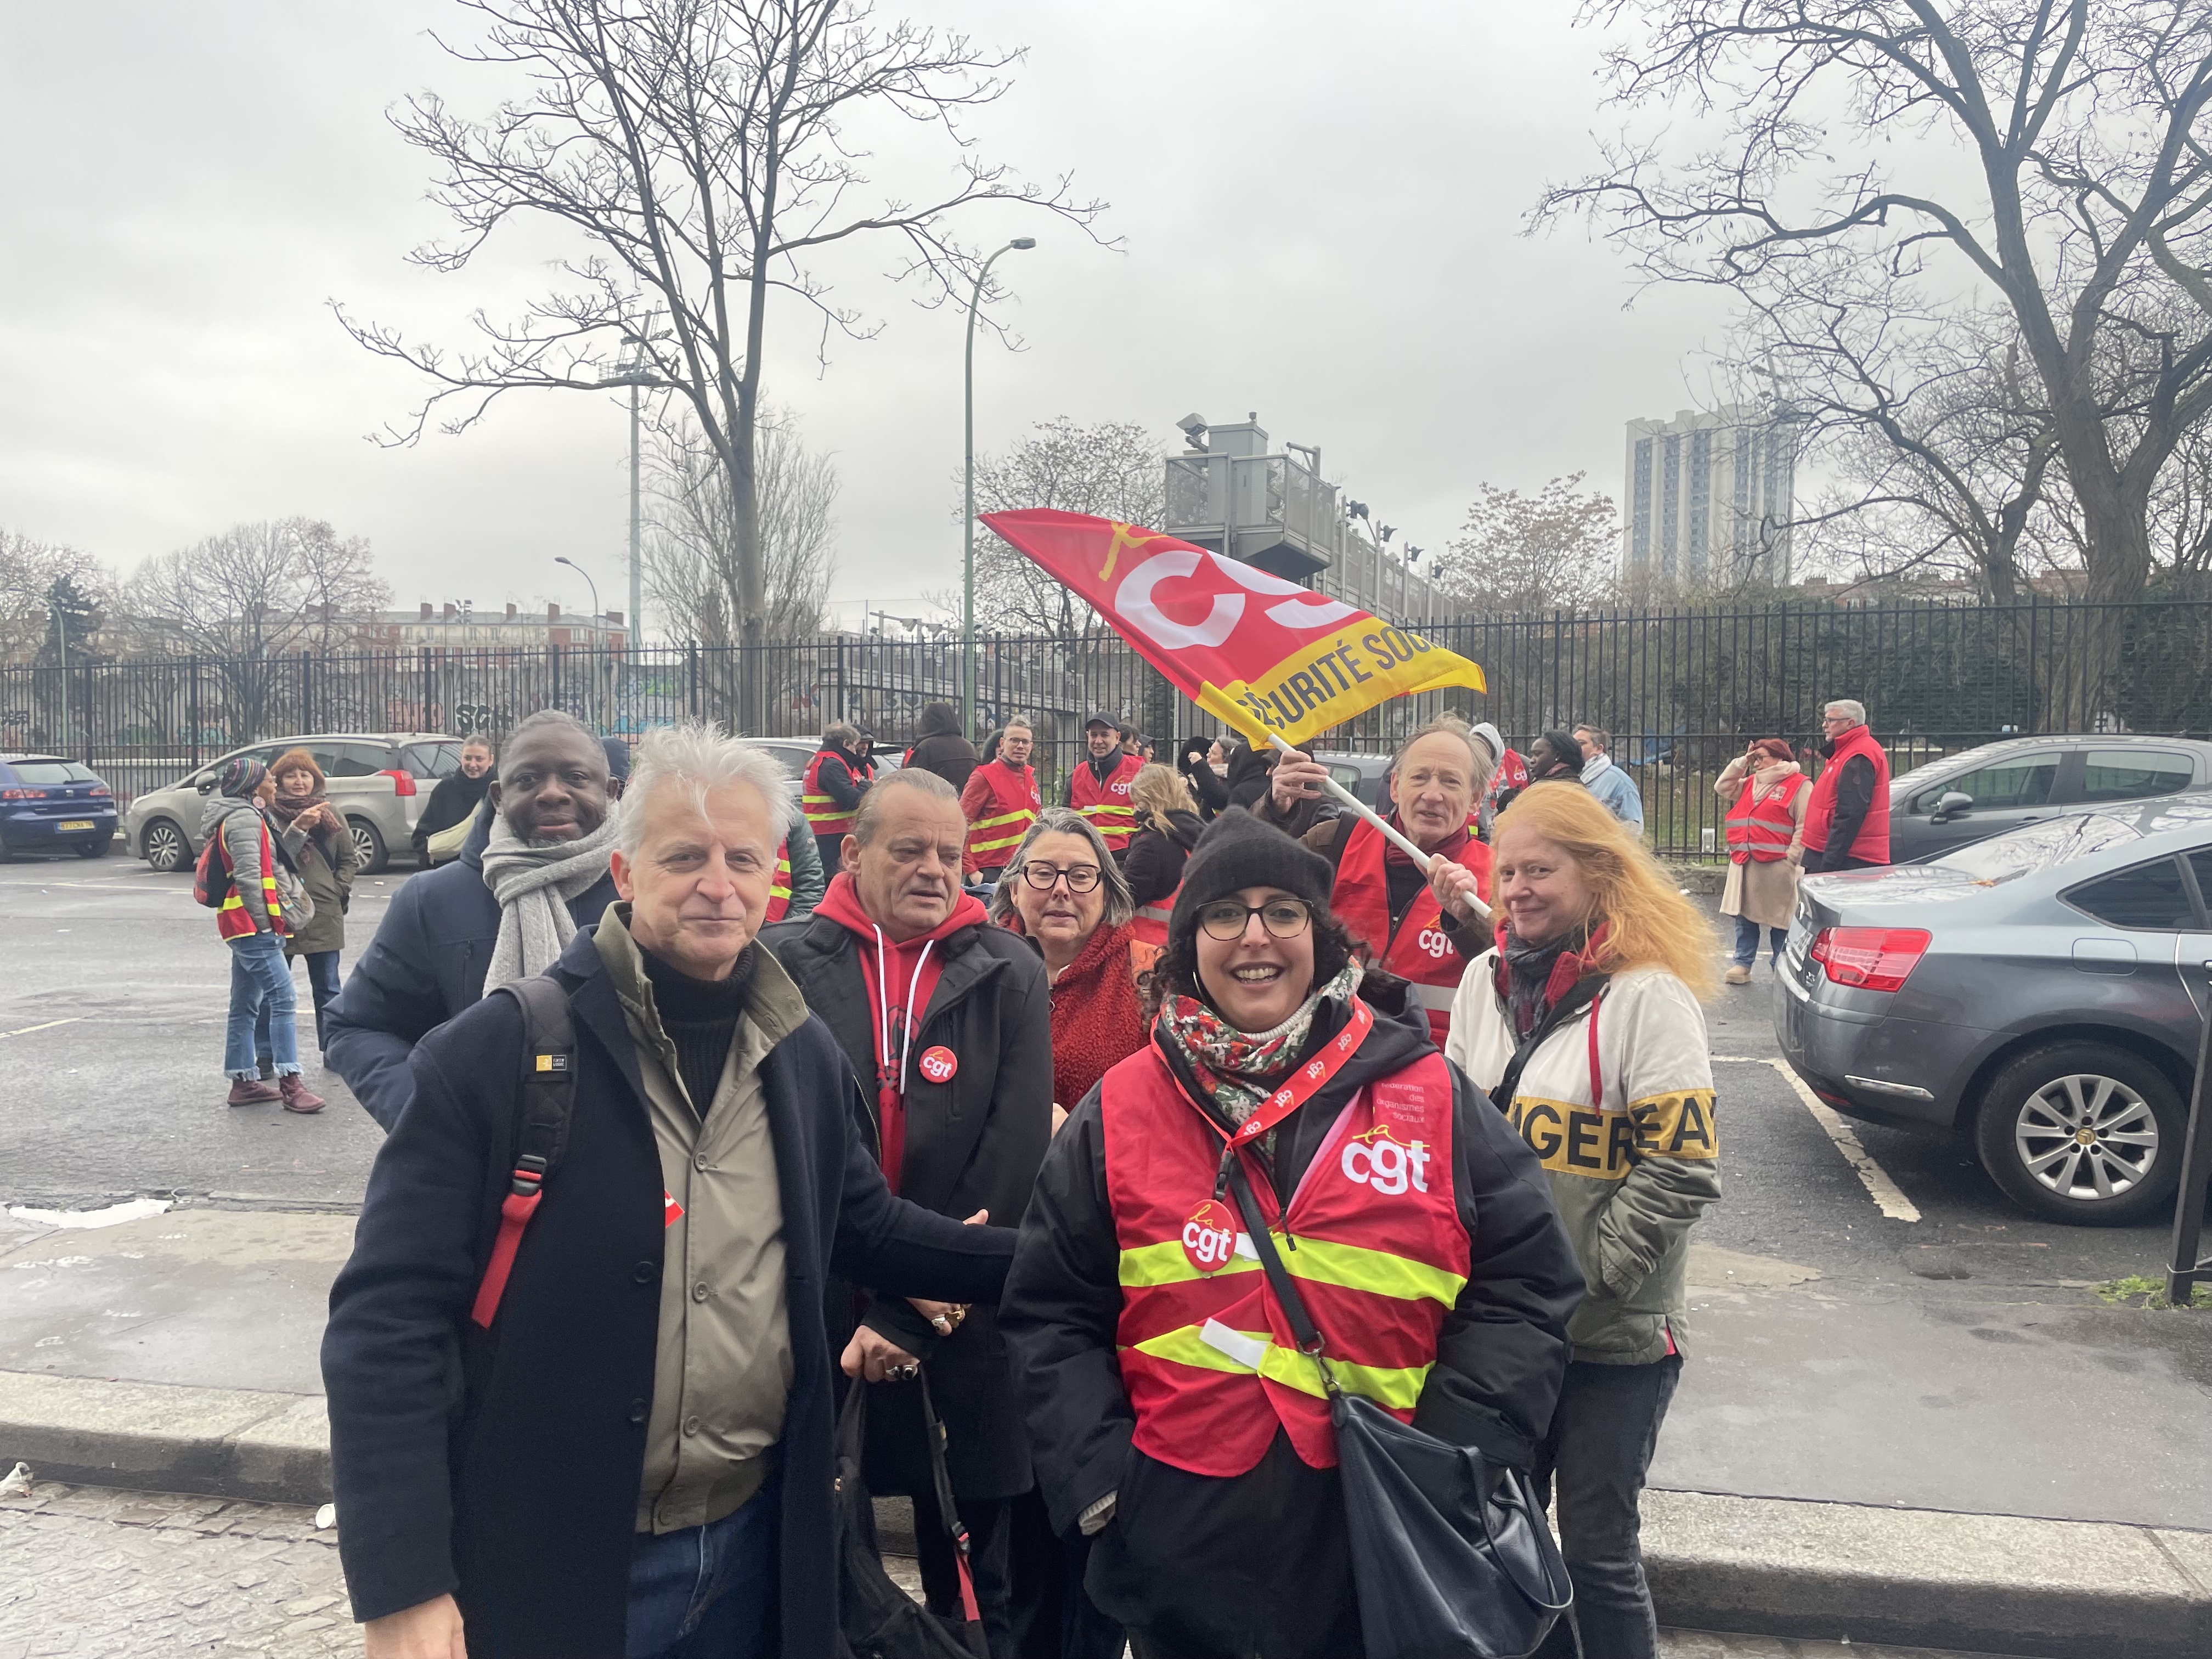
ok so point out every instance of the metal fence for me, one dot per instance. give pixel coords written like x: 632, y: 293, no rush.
x: 1679, y: 690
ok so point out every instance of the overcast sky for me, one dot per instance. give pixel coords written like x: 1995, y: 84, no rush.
x: 1319, y: 208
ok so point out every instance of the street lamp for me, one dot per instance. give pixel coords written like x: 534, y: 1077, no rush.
x: 590, y: 697
x: 968, y: 519
x: 563, y: 558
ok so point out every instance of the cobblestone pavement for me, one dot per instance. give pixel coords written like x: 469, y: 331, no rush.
x: 89, y: 1573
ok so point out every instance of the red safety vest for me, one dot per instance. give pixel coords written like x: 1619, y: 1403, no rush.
x: 1107, y: 804
x: 232, y: 919
x: 1871, y: 844
x: 779, y: 892
x: 824, y: 816
x: 1007, y: 815
x: 1763, y: 828
x: 1206, y: 1354
x: 1419, y: 952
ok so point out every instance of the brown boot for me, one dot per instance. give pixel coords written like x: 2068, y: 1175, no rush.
x: 244, y: 1092
x: 296, y: 1097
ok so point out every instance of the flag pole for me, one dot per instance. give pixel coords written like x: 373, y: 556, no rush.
x: 1421, y: 861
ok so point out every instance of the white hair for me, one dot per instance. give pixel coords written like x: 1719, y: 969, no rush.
x: 1853, y: 712
x: 700, y: 757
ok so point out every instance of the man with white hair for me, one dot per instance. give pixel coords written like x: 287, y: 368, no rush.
x: 1847, y: 819
x: 569, y: 1414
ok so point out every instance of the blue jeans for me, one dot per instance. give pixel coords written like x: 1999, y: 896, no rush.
x: 1746, y: 942
x: 1597, y: 1450
x: 322, y: 986
x: 710, y: 1592
x: 261, y: 998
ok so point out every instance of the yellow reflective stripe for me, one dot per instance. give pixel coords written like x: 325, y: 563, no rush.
x: 1005, y: 818
x: 1097, y: 807
x: 1167, y: 1264
x: 1185, y: 1346
x: 779, y: 892
x: 1398, y: 1387
x: 817, y: 800
x: 1358, y: 1268
x: 1155, y: 912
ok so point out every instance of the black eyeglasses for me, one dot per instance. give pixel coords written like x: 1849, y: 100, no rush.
x: 1226, y: 919
x: 1080, y: 877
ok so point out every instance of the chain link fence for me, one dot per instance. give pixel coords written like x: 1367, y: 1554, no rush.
x: 1680, y: 691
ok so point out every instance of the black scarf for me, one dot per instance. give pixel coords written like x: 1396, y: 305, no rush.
x: 1528, y: 978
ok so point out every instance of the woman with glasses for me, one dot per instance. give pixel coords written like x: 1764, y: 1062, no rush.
x: 1173, y: 1422
x: 1063, y: 892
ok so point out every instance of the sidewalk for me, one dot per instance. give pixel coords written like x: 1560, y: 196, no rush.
x: 177, y: 1354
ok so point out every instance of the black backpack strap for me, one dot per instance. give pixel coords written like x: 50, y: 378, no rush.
x: 970, y: 1609
x: 548, y: 1101
x: 1587, y: 990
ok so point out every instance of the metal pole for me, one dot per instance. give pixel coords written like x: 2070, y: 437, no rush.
x: 637, y: 572
x: 2184, y: 1268
x: 61, y: 632
x: 968, y: 517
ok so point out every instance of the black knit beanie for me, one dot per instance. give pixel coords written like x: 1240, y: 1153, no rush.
x: 1238, y: 851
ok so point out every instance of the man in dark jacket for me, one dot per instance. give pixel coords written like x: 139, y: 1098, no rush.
x: 1847, y: 819
x: 939, y: 747
x: 618, y: 1442
x: 952, y: 1019
x: 456, y: 798
x: 432, y: 950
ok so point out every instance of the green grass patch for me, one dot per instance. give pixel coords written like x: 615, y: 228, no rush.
x: 2137, y: 1291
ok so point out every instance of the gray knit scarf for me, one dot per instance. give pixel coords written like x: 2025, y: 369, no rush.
x: 533, y: 881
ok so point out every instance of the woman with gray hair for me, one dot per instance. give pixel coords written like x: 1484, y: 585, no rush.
x: 1062, y: 891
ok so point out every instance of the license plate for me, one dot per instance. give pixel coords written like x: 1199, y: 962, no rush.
x: 73, y: 824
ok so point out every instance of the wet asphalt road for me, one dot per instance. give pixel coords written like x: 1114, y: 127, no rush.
x: 1960, y: 1361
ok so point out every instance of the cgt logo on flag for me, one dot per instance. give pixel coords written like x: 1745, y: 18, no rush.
x: 1263, y: 653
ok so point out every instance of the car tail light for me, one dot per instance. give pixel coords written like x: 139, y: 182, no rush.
x: 100, y: 791
x: 22, y: 795
x: 402, y: 781
x: 1869, y: 958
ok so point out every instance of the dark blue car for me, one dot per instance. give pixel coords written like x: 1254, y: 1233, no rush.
x: 51, y: 804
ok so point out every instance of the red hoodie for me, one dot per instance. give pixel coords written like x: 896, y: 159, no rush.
x: 900, y: 976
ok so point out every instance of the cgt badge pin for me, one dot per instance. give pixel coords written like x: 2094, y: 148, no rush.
x: 939, y: 1064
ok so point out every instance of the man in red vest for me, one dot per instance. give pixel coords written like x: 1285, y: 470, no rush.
x: 1419, y: 929
x: 1000, y: 801
x: 1847, y: 822
x: 1100, y: 786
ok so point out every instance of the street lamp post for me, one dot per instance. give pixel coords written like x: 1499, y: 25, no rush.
x: 563, y: 558
x: 968, y: 519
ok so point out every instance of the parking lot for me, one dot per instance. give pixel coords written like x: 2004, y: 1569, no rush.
x: 1873, y: 1321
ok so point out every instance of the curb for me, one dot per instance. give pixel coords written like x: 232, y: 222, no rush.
x: 1758, y: 1566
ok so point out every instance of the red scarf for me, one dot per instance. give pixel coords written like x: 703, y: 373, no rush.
x: 1455, y: 848
x: 1566, y: 971
x: 901, y: 975
x: 1097, y: 1018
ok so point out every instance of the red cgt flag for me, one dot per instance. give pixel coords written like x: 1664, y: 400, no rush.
x: 1264, y: 654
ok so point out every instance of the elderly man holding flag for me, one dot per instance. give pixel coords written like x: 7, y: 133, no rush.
x: 1283, y: 663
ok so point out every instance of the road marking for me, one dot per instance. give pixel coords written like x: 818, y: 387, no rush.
x: 48, y: 1026
x: 1888, y: 1197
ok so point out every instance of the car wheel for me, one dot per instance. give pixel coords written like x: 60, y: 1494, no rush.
x: 2083, y: 1133
x: 94, y: 849
x: 367, y: 846
x: 164, y: 849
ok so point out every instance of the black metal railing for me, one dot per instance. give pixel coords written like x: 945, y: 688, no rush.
x: 1680, y: 691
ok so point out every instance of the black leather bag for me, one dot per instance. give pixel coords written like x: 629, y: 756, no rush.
x: 879, y: 1619
x: 1451, y: 1556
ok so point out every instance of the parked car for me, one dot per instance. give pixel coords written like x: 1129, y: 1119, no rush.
x: 1985, y: 792
x: 50, y: 804
x: 1363, y: 774
x: 2043, y: 992
x: 373, y: 781
x: 796, y: 752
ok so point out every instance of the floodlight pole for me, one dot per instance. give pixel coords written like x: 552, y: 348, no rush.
x: 968, y: 516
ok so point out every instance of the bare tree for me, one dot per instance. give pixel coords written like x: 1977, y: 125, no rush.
x: 34, y: 577
x: 2089, y: 218
x: 702, y: 151
x: 249, y: 595
x: 692, y: 560
x: 1557, y: 549
x: 1111, y: 469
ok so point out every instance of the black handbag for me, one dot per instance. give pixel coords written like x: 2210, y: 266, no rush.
x: 1450, y: 1555
x: 879, y: 1619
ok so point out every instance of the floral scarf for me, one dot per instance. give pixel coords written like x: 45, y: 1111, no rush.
x: 1237, y: 1070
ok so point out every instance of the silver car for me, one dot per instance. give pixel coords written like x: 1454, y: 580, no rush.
x: 380, y: 781
x: 2043, y: 991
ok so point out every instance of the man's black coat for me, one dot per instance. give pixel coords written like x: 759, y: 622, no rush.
x: 504, y: 1467
x: 972, y: 1143
x: 426, y: 963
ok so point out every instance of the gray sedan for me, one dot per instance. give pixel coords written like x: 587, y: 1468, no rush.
x: 2043, y: 991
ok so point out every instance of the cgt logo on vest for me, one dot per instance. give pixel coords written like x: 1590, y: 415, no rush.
x: 1435, y: 942
x: 1209, y: 1237
x: 1376, y: 1160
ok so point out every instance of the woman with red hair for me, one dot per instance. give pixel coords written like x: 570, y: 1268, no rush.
x: 1767, y: 791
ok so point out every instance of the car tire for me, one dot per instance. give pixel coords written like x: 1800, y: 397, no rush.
x: 2037, y: 1108
x: 165, y: 848
x: 368, y: 847
x: 94, y: 849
